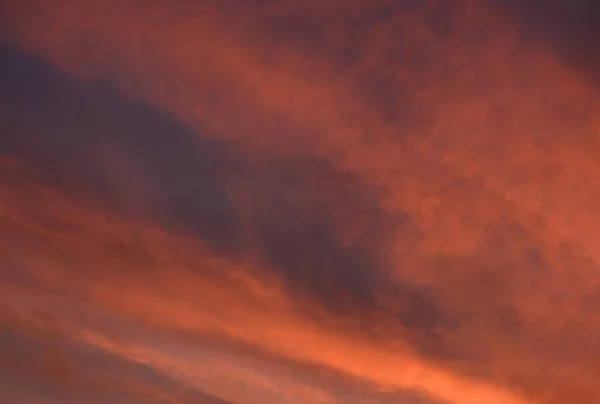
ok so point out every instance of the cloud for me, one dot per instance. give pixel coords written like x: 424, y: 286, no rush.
x: 401, y: 193
x: 51, y: 366
x: 137, y: 161
x: 568, y: 27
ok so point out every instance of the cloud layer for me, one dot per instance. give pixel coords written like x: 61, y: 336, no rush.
x: 245, y: 202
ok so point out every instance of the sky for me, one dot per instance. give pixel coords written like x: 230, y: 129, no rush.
x: 291, y: 202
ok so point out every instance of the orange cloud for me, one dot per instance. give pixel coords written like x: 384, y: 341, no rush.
x: 170, y: 292
x: 404, y: 194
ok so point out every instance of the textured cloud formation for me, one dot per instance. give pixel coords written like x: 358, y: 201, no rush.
x: 571, y: 27
x: 277, y: 201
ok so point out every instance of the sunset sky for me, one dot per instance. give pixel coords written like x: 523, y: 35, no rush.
x: 300, y: 202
